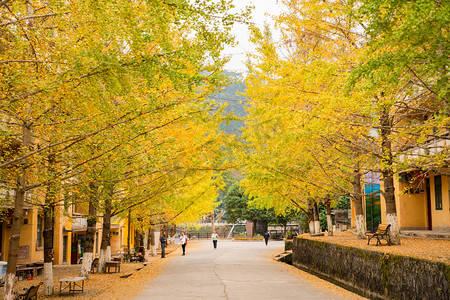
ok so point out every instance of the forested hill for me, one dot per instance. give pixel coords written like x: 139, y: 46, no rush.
x: 236, y: 102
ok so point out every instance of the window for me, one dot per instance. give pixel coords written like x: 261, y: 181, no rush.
x: 438, y: 192
x: 39, y: 231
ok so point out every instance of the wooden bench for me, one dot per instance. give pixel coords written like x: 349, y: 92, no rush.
x: 382, y: 233
x: 38, y: 268
x: 31, y: 293
x: 112, y: 264
x: 24, y: 271
x: 73, y: 284
x: 32, y: 268
x: 136, y: 258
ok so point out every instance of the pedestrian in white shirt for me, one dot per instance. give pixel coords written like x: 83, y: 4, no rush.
x: 183, y: 241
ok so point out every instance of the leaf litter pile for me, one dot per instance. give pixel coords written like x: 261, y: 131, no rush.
x: 103, y: 286
x: 424, y: 248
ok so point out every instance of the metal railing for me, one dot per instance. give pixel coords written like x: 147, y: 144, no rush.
x: 204, y: 235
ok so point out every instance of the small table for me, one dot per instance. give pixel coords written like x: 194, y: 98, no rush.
x: 73, y: 284
x: 23, y: 270
x: 31, y: 268
x: 112, y: 264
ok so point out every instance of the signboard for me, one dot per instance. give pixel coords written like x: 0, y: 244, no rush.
x: 24, y: 252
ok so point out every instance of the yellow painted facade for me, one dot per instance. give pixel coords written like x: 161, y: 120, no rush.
x: 67, y: 241
x: 416, y: 208
x: 124, y: 241
x: 440, y: 218
x: 30, y: 248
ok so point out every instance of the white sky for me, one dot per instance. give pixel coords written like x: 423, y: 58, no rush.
x: 241, y: 32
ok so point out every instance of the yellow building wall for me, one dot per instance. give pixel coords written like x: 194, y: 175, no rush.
x: 28, y: 236
x: 411, y: 208
x: 383, y: 204
x: 63, y: 227
x: 125, y: 236
x: 116, y: 236
x: 440, y: 218
x: 353, y: 210
x: 61, y: 223
x: 115, y: 241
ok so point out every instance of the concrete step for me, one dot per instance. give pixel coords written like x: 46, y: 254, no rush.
x: 426, y: 234
x: 285, y: 257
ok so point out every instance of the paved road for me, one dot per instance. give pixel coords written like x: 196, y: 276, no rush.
x: 236, y: 270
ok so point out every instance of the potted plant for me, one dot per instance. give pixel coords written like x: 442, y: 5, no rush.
x: 289, y: 235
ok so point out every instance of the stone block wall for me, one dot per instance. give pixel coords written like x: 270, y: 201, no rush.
x: 373, y: 274
x: 288, y: 244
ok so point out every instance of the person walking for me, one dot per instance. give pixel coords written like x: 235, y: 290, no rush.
x: 163, y: 240
x: 214, y: 238
x: 183, y: 241
x: 266, y: 237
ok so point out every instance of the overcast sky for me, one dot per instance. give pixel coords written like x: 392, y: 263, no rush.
x: 241, y: 32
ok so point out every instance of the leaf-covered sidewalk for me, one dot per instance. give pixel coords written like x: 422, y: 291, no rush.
x: 425, y: 248
x: 104, y: 286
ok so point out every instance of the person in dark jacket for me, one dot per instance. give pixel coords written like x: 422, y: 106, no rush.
x: 163, y: 240
x: 266, y: 237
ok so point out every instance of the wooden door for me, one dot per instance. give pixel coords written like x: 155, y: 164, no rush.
x: 430, y: 221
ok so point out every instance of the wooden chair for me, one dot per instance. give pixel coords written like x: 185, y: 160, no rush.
x: 382, y: 233
x: 94, y: 265
x: 31, y: 293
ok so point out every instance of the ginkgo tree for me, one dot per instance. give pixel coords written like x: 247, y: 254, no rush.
x: 329, y: 100
x: 81, y: 69
x: 300, y: 107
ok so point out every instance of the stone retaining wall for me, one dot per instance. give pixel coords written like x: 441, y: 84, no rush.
x: 373, y: 274
x: 288, y: 244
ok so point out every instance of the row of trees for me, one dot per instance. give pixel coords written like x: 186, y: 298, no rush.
x: 104, y: 106
x: 236, y: 207
x: 352, y: 88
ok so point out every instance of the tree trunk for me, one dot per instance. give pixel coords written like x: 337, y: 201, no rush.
x: 129, y: 231
x: 88, y: 255
x: 17, y: 221
x: 311, y: 218
x: 137, y: 240
x: 105, y: 248
x: 152, y: 240
x: 48, y: 248
x: 261, y: 227
x: 174, y: 230
x: 48, y: 229
x: 316, y: 219
x: 213, y: 225
x: 329, y: 219
x: 146, y: 245
x: 358, y: 199
x: 388, y: 176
